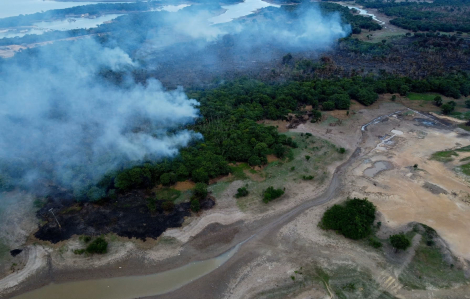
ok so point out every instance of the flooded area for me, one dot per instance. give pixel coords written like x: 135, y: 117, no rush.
x: 363, y: 12
x: 128, y: 287
x: 10, y: 8
x: 239, y: 10
x: 59, y: 25
x: 378, y: 166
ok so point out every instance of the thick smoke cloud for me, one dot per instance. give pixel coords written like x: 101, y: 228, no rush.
x: 63, y: 123
x: 305, y: 28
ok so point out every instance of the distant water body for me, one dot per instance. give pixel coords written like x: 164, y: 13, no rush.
x: 10, y: 8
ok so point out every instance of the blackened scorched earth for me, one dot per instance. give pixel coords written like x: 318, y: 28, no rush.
x: 128, y: 215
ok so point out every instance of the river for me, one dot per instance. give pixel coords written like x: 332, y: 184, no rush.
x: 16, y: 7
x: 129, y: 287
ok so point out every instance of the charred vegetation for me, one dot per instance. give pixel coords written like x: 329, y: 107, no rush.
x: 128, y: 215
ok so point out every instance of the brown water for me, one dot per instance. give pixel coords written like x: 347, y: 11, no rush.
x: 128, y: 287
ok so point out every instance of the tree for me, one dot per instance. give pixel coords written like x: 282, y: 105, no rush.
x: 447, y: 108
x: 270, y: 194
x: 328, y: 106
x: 99, y: 245
x: 467, y: 103
x: 279, y: 151
x: 307, y: 157
x: 354, y: 219
x: 438, y: 101
x: 316, y: 116
x: 341, y: 101
x: 195, y: 205
x: 200, y: 191
x: 165, y: 179
x: 400, y: 241
x: 241, y: 192
x: 200, y: 175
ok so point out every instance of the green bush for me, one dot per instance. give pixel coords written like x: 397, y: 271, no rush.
x: 447, y: 108
x: 99, y: 245
x: 375, y: 243
x: 328, y: 106
x: 241, y: 192
x: 270, y: 194
x: 79, y: 251
x: 200, y: 191
x: 195, y: 205
x: 316, y: 116
x: 354, y: 219
x: 308, y: 177
x: 400, y: 241
x: 467, y: 103
x: 341, y: 150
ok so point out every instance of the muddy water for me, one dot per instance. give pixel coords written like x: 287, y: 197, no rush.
x: 377, y: 167
x: 131, y: 286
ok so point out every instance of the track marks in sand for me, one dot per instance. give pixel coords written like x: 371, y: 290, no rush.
x: 36, y: 260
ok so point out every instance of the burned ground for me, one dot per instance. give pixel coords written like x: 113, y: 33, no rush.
x: 128, y: 215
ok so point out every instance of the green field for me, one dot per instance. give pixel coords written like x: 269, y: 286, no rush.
x: 421, y: 96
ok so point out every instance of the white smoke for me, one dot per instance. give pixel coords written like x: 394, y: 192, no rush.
x: 62, y: 122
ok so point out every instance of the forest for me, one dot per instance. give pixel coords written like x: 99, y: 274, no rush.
x: 439, y: 15
x: 229, y: 115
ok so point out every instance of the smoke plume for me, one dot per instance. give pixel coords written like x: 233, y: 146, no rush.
x: 62, y: 122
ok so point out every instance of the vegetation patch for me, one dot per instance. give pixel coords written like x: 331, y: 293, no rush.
x: 413, y: 96
x: 353, y: 219
x: 167, y: 194
x: 99, y: 246
x: 271, y: 194
x: 444, y: 156
x: 241, y: 192
x: 465, y: 169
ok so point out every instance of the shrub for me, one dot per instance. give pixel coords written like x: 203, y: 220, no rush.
x: 308, y: 177
x: 328, y: 106
x: 438, y: 101
x: 270, y: 194
x: 195, y: 205
x: 200, y: 191
x: 354, y: 219
x: 341, y: 150
x: 400, y: 241
x: 307, y: 157
x: 241, y: 192
x: 79, y: 251
x: 86, y: 239
x: 316, y: 116
x: 99, y: 245
x: 447, y: 108
x: 467, y: 103
x: 375, y: 243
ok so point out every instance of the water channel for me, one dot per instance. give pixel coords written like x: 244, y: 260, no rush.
x: 129, y: 287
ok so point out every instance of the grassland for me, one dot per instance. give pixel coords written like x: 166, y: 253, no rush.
x: 428, y: 268
x: 421, y: 96
x: 295, y: 168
